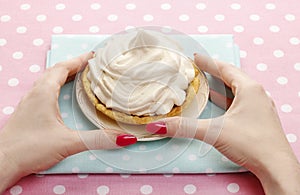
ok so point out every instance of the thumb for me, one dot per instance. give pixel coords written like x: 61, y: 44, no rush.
x: 207, y: 130
x: 101, y: 139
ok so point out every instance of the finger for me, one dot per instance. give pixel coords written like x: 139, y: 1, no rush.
x: 59, y: 73
x: 207, y: 130
x: 231, y: 75
x: 179, y: 127
x: 101, y: 139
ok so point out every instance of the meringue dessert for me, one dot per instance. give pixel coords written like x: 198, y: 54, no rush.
x: 139, y: 77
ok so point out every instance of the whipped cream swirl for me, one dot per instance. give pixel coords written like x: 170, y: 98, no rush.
x: 140, y: 73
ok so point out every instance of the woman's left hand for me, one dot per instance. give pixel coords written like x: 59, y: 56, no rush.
x: 35, y: 137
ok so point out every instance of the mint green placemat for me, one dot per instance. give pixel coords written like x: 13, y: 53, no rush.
x: 161, y: 156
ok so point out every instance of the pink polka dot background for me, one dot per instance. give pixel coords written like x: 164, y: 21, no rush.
x: 267, y: 32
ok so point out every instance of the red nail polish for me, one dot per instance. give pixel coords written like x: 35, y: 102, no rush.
x: 157, y: 128
x: 125, y: 140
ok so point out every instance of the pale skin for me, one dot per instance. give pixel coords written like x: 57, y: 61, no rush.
x: 250, y: 135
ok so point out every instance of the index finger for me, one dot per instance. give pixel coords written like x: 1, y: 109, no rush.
x: 62, y: 70
x: 232, y: 76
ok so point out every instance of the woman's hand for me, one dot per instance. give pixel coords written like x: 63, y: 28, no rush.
x: 249, y: 133
x: 35, y: 137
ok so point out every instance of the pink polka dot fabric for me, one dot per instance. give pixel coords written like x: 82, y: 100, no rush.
x: 268, y: 35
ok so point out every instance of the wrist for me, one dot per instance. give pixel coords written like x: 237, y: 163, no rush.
x: 9, y: 172
x: 280, y: 176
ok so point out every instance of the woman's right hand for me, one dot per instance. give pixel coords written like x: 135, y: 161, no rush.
x: 249, y: 133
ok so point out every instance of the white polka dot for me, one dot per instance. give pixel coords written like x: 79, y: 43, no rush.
x: 15, y: 190
x: 202, y: 29
x: 168, y: 175
x: 5, y: 18
x: 299, y: 94
x: 66, y: 97
x: 201, y: 6
x: 235, y: 6
x: 184, y: 17
x: 219, y: 17
x: 126, y: 157
x: 282, y: 80
x: 95, y: 6
x: 59, y: 189
x: 189, y: 189
x: 92, y: 157
x: 286, y: 108
x: 82, y: 176
x: 165, y: 6
x: 261, y: 67
x: 125, y: 175
x: 297, y: 66
x: 25, y: 6
x: 278, y: 53
x: 238, y: 28
x: 8, y: 110
x: 75, y: 170
x: 290, y: 17
x: 176, y: 170
x: 38, y: 42
x: 112, y: 17
x: 41, y: 18
x: 270, y: 6
x: 34, y: 68
x: 13, y: 82
x: 76, y: 17
x: 21, y: 29
x: 130, y: 6
x: 103, y: 190
x: 94, y: 29
x: 258, y: 41
x: 274, y: 28
x: 243, y: 54
x: 60, y: 6
x: 291, y: 137
x: 146, y: 189
x: 148, y: 18
x: 192, y: 157
x: 294, y: 41
x: 3, y: 42
x: 58, y: 29
x: 233, y: 187
x: 142, y: 147
x: 17, y: 55
x: 109, y: 170
x: 254, y: 17
x: 0, y: 68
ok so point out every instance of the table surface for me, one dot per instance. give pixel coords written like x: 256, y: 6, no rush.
x: 266, y: 31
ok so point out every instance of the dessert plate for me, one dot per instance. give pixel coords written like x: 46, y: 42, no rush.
x: 103, y: 122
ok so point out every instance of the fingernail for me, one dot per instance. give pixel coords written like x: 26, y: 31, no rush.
x: 125, y: 140
x: 157, y: 128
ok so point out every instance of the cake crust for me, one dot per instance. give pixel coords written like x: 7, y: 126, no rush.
x: 134, y: 119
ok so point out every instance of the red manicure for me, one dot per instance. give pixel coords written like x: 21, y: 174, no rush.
x: 125, y: 140
x: 157, y: 128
